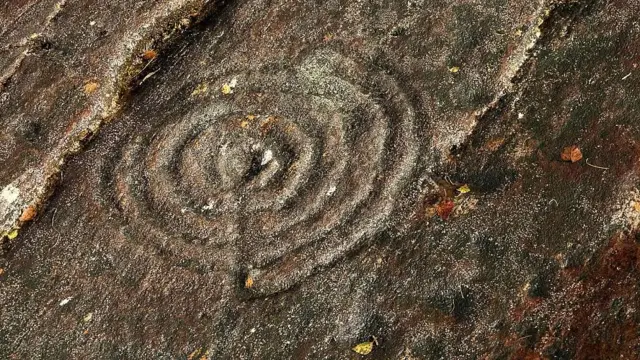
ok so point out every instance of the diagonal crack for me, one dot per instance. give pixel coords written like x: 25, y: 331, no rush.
x: 31, y: 190
x: 539, y: 32
x: 30, y: 43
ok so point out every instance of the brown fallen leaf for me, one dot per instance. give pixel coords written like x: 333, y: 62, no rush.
x: 431, y: 212
x: 444, y: 208
x: 28, y: 214
x: 571, y: 153
x: 494, y: 144
x: 149, y: 55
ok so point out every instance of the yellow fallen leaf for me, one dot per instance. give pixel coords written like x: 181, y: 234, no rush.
x: 199, y: 354
x: 12, y: 234
x: 249, y: 282
x: 91, y: 87
x: 464, y: 189
x: 454, y: 69
x: 364, y: 348
x: 636, y: 206
x: 200, y: 89
x: 227, y: 88
x: 88, y: 317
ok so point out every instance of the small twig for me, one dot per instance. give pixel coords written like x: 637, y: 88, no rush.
x: 446, y: 177
x: 147, y: 65
x: 375, y: 340
x: 149, y: 75
x: 596, y: 166
x: 553, y: 201
x: 626, y: 76
x: 181, y: 52
x: 523, y: 337
x: 53, y: 216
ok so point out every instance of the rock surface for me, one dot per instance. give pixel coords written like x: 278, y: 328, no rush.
x: 277, y: 179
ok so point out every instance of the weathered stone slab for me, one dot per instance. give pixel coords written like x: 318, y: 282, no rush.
x: 288, y: 179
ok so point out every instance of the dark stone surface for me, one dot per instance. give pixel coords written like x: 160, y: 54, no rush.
x: 272, y: 183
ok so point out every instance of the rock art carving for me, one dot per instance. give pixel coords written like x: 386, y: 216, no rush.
x: 292, y: 170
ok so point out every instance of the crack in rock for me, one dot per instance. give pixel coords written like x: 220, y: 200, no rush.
x: 35, y: 185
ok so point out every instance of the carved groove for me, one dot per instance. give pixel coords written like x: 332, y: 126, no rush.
x: 292, y: 170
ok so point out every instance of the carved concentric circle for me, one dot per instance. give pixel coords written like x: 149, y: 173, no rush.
x: 292, y: 170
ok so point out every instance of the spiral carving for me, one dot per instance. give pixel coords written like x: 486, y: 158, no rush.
x: 292, y: 170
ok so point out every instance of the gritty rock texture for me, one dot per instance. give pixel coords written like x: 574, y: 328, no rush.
x: 278, y: 179
x: 66, y: 71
